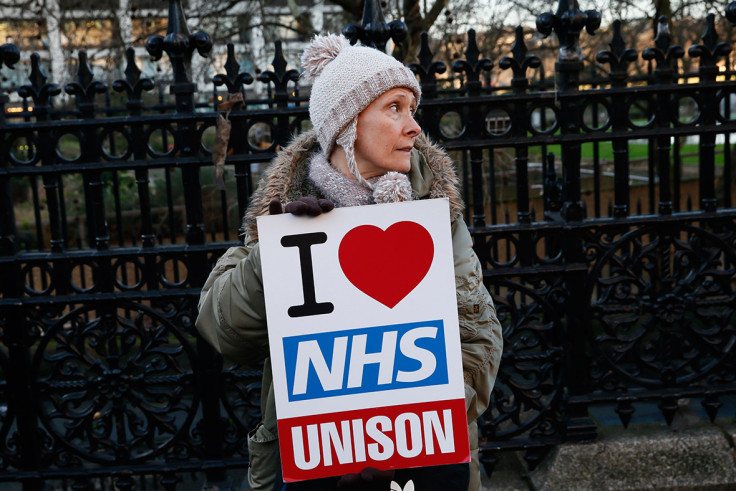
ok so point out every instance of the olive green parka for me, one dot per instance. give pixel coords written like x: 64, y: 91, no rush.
x: 232, y: 314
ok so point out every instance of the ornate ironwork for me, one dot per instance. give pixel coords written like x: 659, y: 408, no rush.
x: 519, y: 62
x: 618, y: 57
x: 233, y: 79
x: 473, y: 65
x: 115, y: 388
x: 662, y: 304
x: 665, y: 55
x: 427, y: 69
x: 178, y: 43
x: 39, y: 90
x: 567, y: 23
x: 85, y: 87
x: 133, y: 85
x: 109, y: 224
x: 373, y: 30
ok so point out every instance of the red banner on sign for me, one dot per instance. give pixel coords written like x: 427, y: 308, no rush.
x: 414, y: 435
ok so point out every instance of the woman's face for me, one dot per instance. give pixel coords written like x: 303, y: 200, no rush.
x: 386, y: 133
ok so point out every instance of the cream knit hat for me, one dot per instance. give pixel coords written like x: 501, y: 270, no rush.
x: 346, y: 80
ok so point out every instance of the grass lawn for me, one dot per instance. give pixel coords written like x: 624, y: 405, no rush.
x: 689, y: 152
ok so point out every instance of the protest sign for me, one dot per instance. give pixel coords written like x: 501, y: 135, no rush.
x: 364, y: 339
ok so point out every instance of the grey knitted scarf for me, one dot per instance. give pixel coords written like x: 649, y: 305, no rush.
x: 391, y: 187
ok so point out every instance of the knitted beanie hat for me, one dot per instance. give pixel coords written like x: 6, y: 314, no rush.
x: 346, y: 80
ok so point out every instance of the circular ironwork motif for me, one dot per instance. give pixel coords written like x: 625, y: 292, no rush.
x: 662, y: 303
x: 116, y: 384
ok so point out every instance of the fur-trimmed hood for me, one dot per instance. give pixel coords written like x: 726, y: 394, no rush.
x: 432, y: 175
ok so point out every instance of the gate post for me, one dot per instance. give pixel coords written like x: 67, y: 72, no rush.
x: 180, y: 45
x: 19, y: 376
x: 568, y: 23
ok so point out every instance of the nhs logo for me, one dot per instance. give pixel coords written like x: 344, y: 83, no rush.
x: 365, y: 360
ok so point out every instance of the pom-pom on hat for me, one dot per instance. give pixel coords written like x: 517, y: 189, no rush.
x: 346, y: 80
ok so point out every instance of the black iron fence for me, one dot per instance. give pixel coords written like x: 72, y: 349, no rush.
x: 601, y: 209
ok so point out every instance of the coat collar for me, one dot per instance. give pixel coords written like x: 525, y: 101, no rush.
x: 432, y: 175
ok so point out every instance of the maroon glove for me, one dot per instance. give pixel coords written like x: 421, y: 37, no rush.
x: 368, y: 479
x: 303, y: 206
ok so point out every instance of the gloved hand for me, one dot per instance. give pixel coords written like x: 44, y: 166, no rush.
x: 307, y: 205
x: 368, y: 479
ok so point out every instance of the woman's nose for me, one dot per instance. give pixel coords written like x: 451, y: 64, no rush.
x: 412, y: 128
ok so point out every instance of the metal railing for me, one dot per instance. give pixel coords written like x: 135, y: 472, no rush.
x: 603, y: 216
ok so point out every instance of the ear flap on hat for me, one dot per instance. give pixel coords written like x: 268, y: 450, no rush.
x: 346, y: 140
x: 321, y: 51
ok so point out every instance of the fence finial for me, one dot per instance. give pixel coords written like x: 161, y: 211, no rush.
x: 373, y: 30
x: 664, y: 54
x: 731, y: 13
x: 520, y: 62
x: 178, y: 43
x: 618, y: 57
x: 280, y: 76
x: 567, y: 23
x: 133, y: 85
x: 232, y: 78
x: 473, y: 65
x: 38, y: 90
x: 85, y: 87
x: 710, y: 50
x: 427, y: 68
x: 9, y: 55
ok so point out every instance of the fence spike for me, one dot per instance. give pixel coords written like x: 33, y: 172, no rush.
x: 710, y: 50
x: 711, y: 403
x: 133, y: 85
x: 427, y: 68
x: 668, y: 406
x: 178, y: 43
x: 473, y: 64
x: 664, y: 38
x: 489, y: 460
x: 618, y: 56
x: 625, y: 410
x: 279, y: 77
x: 84, y: 71
x: 232, y: 79
x: 85, y: 87
x: 567, y: 23
x: 373, y: 30
x: 132, y: 72
x: 664, y: 54
x: 520, y: 62
x: 38, y: 90
x: 232, y: 67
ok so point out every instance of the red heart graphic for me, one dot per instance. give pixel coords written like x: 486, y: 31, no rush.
x: 386, y: 265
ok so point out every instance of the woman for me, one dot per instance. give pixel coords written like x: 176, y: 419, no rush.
x: 365, y: 147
